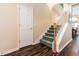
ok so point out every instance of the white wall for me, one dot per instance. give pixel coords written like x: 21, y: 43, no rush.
x: 8, y: 27
x: 41, y: 20
x: 66, y: 37
x: 8, y: 24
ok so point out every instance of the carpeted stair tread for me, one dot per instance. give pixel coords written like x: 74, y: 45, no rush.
x: 53, y: 28
x: 48, y: 38
x: 53, y: 25
x: 46, y: 42
x: 50, y: 31
x: 49, y: 34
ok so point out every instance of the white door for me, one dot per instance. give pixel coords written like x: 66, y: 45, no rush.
x: 26, y: 32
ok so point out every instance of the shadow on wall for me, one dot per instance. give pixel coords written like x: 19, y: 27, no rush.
x: 41, y: 19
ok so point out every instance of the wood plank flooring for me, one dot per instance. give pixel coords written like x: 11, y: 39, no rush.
x: 41, y: 50
x: 72, y: 49
x: 33, y: 50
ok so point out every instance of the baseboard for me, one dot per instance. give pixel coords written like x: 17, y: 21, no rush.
x: 9, y: 51
x: 36, y: 42
x: 65, y: 45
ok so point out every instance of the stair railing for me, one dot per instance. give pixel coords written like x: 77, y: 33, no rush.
x: 61, y: 22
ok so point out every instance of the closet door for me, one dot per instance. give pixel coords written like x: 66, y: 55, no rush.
x: 26, y: 23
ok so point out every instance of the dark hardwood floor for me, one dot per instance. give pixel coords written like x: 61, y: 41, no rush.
x: 72, y: 49
x: 33, y: 50
x: 41, y: 50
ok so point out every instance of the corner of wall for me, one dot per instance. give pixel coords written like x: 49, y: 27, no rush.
x: 9, y: 51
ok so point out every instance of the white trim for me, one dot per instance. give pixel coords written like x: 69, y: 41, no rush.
x: 60, y: 36
x: 40, y: 37
x: 32, y: 25
x: 18, y: 31
x: 9, y: 51
x: 65, y: 45
x: 36, y: 42
x: 62, y: 33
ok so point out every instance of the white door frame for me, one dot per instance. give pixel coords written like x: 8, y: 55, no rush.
x: 18, y: 24
x: 18, y: 28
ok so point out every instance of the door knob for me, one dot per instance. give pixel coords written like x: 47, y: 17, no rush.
x: 31, y: 28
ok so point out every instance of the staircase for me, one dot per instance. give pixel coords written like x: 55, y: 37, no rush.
x: 48, y: 38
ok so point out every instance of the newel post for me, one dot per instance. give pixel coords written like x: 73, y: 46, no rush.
x: 55, y: 37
